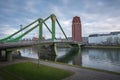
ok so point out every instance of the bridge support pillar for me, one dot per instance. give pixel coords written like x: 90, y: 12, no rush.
x: 54, y: 49
x: 9, y: 55
x: 47, y: 51
x: 0, y: 53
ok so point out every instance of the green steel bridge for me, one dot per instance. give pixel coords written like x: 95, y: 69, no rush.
x: 8, y: 44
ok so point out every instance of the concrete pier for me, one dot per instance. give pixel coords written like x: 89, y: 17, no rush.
x: 5, y: 55
x: 0, y: 53
x: 54, y: 49
x: 9, y: 55
x: 48, y: 52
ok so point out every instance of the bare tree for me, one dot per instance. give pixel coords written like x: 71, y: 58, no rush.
x: 116, y: 40
x: 109, y: 41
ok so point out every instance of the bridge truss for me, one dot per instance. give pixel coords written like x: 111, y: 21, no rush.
x: 40, y: 22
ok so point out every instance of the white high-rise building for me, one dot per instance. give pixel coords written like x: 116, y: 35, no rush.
x: 106, y: 39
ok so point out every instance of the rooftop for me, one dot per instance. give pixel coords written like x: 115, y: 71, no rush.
x: 111, y: 33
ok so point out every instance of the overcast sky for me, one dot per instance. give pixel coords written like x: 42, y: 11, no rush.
x: 97, y: 16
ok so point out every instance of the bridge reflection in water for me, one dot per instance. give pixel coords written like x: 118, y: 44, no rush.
x: 107, y: 59
x: 65, y: 55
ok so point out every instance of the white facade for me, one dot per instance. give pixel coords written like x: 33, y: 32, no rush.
x: 112, y: 38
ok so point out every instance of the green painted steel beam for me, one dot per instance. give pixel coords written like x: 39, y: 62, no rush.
x: 46, y: 18
x: 40, y: 24
x: 19, y: 37
x: 61, y: 29
x: 40, y: 21
x: 49, y: 29
x: 9, y: 37
x: 53, y: 18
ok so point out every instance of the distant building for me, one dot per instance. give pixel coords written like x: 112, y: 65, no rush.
x: 112, y: 38
x: 76, y: 29
x: 85, y: 40
x: 36, y: 38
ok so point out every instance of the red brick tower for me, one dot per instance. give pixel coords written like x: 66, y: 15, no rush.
x: 76, y: 29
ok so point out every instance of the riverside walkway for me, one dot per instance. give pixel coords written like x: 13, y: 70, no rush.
x: 80, y: 74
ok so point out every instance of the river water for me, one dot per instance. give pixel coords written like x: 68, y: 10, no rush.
x: 105, y: 59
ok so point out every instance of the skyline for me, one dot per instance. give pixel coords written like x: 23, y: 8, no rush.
x: 97, y: 16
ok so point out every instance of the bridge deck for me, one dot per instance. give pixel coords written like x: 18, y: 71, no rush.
x: 30, y: 43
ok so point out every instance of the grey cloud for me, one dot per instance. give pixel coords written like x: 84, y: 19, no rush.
x: 95, y: 14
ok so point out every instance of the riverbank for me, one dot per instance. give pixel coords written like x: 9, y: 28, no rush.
x: 80, y: 73
x: 102, y: 47
x: 33, y: 71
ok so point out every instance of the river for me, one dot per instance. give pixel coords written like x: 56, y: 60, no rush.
x: 105, y: 59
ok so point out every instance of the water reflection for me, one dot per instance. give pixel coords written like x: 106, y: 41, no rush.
x: 70, y: 56
x: 108, y: 59
x: 29, y: 52
x: 111, y: 55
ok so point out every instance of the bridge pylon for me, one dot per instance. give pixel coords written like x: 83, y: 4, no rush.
x: 40, y: 21
x: 53, y: 18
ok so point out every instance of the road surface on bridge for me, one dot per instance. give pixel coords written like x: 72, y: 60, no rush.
x: 31, y: 43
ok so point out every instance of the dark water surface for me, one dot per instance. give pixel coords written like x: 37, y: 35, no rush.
x: 106, y: 59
